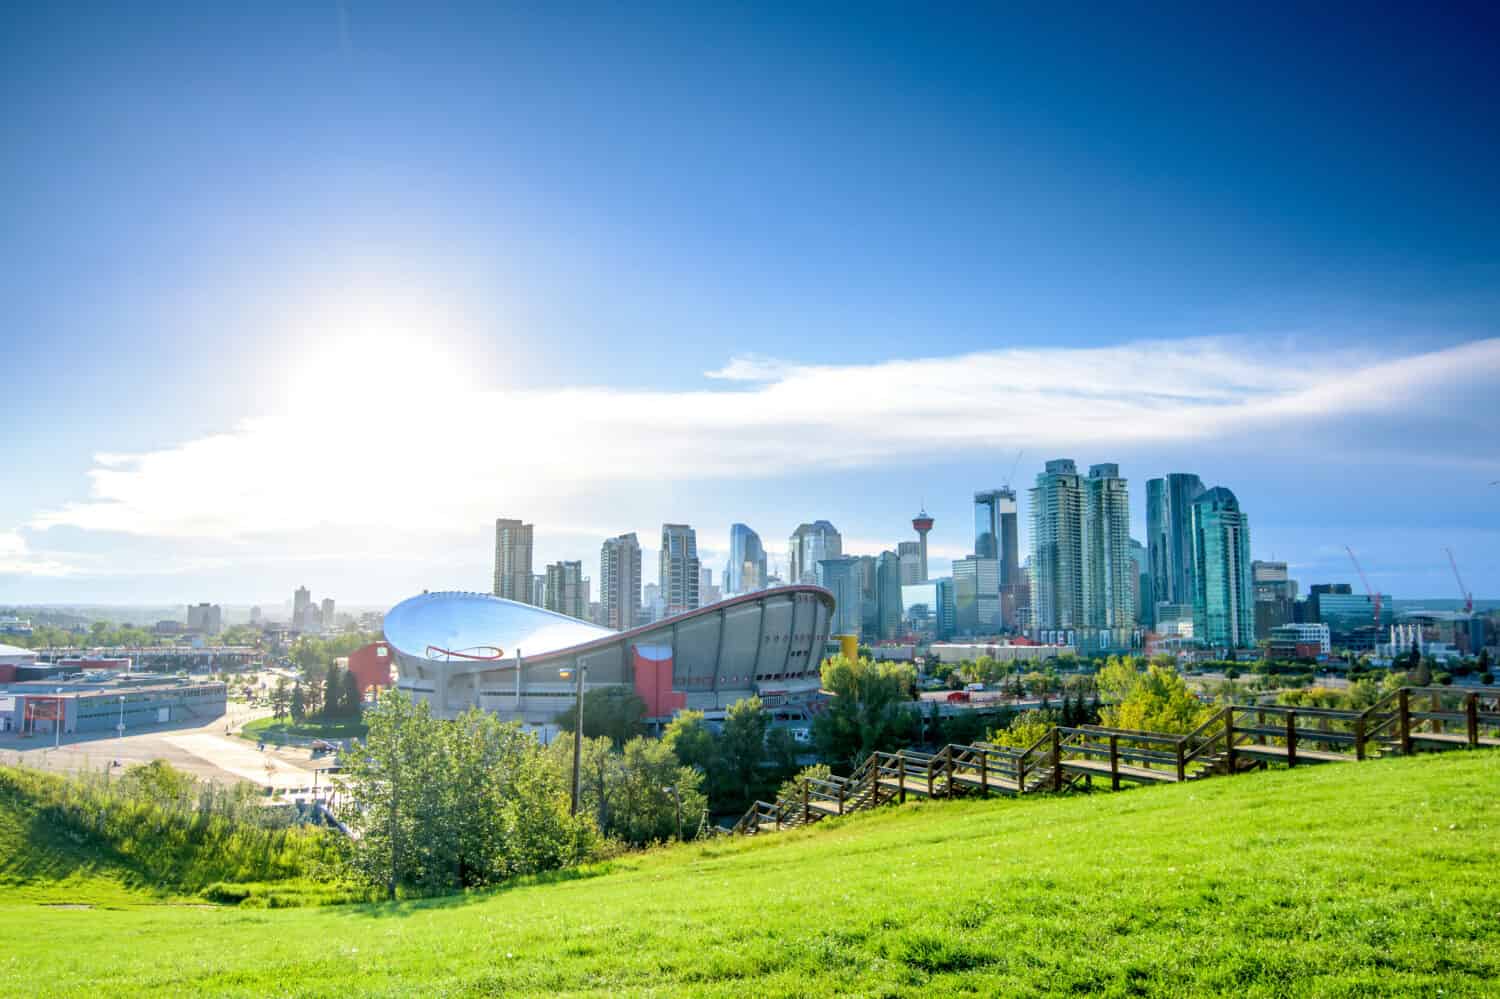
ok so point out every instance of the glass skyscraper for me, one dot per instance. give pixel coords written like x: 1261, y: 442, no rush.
x: 1056, y: 547
x: 976, y: 596
x: 1224, y: 595
x: 1169, y: 538
x: 842, y: 577
x: 746, y: 571
x: 1109, y: 579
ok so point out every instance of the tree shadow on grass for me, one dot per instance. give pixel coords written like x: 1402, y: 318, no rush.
x: 411, y: 906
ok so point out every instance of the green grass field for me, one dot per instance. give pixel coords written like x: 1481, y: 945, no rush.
x: 280, y: 730
x: 1380, y: 878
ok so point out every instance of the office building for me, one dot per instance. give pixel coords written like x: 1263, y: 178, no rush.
x: 888, y: 595
x: 746, y: 571
x: 1224, y: 597
x: 809, y: 545
x: 677, y: 569
x: 205, y: 619
x: 1169, y: 537
x: 301, y: 606
x: 513, y: 575
x: 995, y: 532
x: 620, y: 582
x: 565, y: 590
x: 1109, y: 582
x: 1057, y: 502
x: 538, y: 589
x: 1299, y: 641
x: 708, y: 593
x: 976, y: 596
x: 1143, y: 599
x: 842, y: 577
x: 327, y: 612
x: 910, y: 554
x: 869, y: 594
x: 1275, y: 596
x: 1350, y: 617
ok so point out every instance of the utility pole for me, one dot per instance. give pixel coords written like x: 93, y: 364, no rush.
x: 578, y: 672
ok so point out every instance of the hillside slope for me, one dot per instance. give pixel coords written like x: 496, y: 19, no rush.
x: 1369, y: 879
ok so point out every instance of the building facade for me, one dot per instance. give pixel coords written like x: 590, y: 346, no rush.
x: 513, y: 575
x: 678, y: 569
x: 809, y: 545
x: 206, y: 619
x: 746, y: 571
x: 1169, y: 537
x: 888, y: 594
x: 1224, y: 596
x: 1057, y: 584
x: 842, y: 578
x: 1109, y: 582
x: 620, y: 582
x: 976, y: 596
x: 565, y: 589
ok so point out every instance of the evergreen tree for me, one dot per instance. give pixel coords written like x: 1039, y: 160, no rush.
x: 298, y: 707
x: 333, y: 693
x: 351, y: 696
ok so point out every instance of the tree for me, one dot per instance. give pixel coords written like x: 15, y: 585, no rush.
x: 652, y: 782
x: 351, y: 699
x: 742, y: 748
x: 333, y: 693
x: 298, y: 707
x: 615, y: 713
x: 692, y: 742
x: 280, y: 698
x: 1024, y: 729
x: 1155, y: 701
x: 867, y: 711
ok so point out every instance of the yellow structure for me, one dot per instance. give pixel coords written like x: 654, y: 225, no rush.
x: 849, y: 646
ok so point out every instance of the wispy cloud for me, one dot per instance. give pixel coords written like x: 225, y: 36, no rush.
x: 427, y: 462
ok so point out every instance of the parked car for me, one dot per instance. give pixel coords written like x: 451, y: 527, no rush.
x: 973, y: 686
x: 958, y: 697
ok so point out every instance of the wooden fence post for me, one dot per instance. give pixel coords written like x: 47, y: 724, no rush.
x: 805, y: 815
x: 1359, y: 737
x: 842, y: 790
x: 1229, y: 738
x: 1403, y: 711
x: 1057, y: 775
x: 1114, y: 762
x: 984, y: 773
x: 948, y: 768
x: 1471, y: 715
x: 1181, y: 763
x: 901, y: 776
x: 1291, y: 738
x: 1437, y: 706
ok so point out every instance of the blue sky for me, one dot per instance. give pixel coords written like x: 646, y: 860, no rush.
x: 310, y: 293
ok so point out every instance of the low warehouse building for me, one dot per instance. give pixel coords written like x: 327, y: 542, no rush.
x: 34, y: 707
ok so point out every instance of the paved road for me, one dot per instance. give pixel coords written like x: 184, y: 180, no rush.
x: 207, y: 751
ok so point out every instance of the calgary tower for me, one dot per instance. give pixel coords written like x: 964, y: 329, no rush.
x: 922, y: 523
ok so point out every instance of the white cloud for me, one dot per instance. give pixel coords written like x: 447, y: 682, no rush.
x: 16, y: 558
x: 422, y: 455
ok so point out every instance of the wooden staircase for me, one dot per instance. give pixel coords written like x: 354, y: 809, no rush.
x: 1237, y: 738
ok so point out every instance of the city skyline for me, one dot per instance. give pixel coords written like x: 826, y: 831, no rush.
x: 843, y: 266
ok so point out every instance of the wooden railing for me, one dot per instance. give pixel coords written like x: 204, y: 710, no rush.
x: 1233, y: 737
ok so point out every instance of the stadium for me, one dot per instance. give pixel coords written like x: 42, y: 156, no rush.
x: 459, y: 650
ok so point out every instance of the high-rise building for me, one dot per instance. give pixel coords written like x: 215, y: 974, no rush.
x: 888, y: 594
x: 1109, y: 582
x: 327, y: 612
x: 677, y: 569
x: 205, y: 618
x: 976, y: 596
x: 996, y: 536
x: 928, y: 608
x: 513, y: 575
x: 620, y: 582
x: 1142, y: 595
x: 538, y: 588
x: 922, y: 524
x: 869, y: 593
x: 1056, y: 548
x: 910, y: 554
x: 746, y: 571
x: 255, y: 615
x: 1169, y: 538
x: 841, y: 577
x: 1224, y: 595
x: 1275, y: 596
x: 809, y: 545
x: 301, y: 603
x: 708, y: 593
x: 565, y: 590
x: 653, y: 608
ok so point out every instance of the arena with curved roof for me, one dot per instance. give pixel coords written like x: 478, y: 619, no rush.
x: 457, y: 650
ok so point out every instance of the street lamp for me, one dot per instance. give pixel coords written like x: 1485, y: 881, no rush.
x: 120, y: 728
x: 578, y: 674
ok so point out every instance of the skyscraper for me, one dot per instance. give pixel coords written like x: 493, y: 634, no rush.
x: 1224, y: 594
x: 809, y: 545
x: 1275, y: 596
x: 888, y: 594
x: 565, y: 590
x: 1169, y: 538
x: 677, y: 569
x: 922, y: 523
x: 976, y: 595
x: 1056, y: 548
x: 841, y: 577
x: 620, y: 582
x: 513, y: 576
x: 1109, y: 583
x: 910, y: 554
x: 327, y: 612
x: 746, y: 571
x: 301, y: 601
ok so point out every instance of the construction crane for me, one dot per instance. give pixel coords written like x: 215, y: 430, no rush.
x: 1375, y: 597
x: 1013, y: 466
x: 1463, y: 591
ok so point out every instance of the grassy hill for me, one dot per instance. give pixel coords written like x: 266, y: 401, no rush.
x: 1347, y: 880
